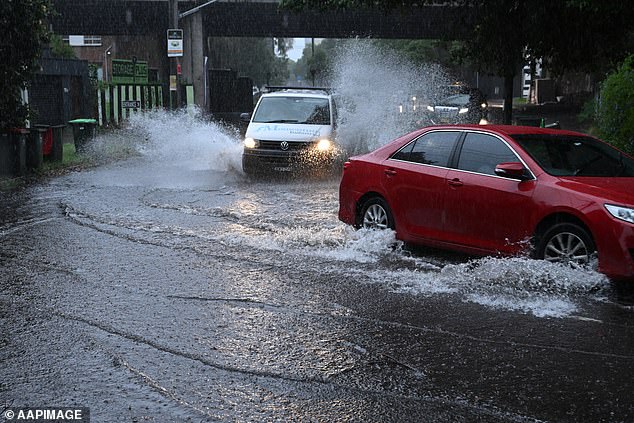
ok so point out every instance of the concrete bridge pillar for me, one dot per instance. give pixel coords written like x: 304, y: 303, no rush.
x: 193, y: 64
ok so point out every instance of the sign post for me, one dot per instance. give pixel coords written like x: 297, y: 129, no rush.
x: 174, y: 43
x: 174, y: 52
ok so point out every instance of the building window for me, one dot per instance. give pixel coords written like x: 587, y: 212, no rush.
x: 83, y: 40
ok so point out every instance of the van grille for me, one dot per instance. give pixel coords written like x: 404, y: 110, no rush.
x: 276, y: 145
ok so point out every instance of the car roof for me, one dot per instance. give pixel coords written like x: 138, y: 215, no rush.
x: 511, y: 130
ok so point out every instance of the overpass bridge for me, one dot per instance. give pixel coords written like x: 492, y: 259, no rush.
x: 248, y: 18
x: 256, y: 18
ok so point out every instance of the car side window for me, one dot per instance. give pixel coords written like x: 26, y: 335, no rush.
x: 433, y: 148
x: 481, y: 153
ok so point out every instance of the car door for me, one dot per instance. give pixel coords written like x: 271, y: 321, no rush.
x: 483, y: 210
x: 415, y: 180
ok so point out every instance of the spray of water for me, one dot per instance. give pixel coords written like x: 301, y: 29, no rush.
x: 380, y: 94
x: 184, y: 137
x: 181, y: 138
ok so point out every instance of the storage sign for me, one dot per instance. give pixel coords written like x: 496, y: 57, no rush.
x: 174, y: 43
x: 129, y: 72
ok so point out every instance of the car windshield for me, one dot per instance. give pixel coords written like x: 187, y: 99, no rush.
x: 304, y: 110
x: 576, y: 156
x: 456, y: 100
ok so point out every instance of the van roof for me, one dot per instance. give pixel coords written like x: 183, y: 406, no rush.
x: 297, y: 91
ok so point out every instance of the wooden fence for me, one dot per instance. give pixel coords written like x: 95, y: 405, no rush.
x: 116, y: 103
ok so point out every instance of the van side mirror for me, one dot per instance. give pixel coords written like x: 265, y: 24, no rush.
x: 245, y: 117
x: 513, y: 170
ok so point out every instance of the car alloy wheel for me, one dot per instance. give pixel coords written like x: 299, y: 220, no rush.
x: 376, y: 214
x: 567, y: 243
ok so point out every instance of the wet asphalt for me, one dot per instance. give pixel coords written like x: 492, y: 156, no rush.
x: 158, y: 293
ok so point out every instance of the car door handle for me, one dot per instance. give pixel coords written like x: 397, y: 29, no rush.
x: 455, y: 182
x: 390, y: 172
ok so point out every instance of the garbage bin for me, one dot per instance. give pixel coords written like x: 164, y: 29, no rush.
x: 47, y: 139
x: 57, y: 147
x: 34, y: 153
x: 83, y: 131
x: 13, y: 152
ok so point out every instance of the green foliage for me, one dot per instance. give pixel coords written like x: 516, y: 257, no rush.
x: 442, y: 52
x: 22, y: 34
x: 61, y: 49
x: 317, y: 64
x: 615, y: 111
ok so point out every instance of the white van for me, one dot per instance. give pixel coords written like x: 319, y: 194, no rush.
x: 291, y: 129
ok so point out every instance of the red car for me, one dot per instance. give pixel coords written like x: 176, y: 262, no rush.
x: 562, y: 196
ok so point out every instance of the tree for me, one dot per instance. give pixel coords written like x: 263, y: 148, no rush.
x: 22, y: 34
x: 615, y: 110
x: 315, y: 63
x: 252, y: 57
x: 61, y: 49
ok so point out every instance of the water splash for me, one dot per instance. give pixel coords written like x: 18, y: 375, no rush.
x: 182, y: 138
x: 187, y: 139
x: 380, y: 94
x: 517, y: 284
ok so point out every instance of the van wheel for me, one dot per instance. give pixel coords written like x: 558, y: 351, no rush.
x: 566, y: 243
x: 376, y: 214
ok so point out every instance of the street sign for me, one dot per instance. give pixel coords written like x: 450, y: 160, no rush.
x: 131, y: 104
x: 174, y: 43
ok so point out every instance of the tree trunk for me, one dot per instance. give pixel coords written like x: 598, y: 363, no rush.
x: 508, y: 99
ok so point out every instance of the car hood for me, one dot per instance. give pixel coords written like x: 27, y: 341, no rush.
x: 288, y: 132
x: 617, y: 190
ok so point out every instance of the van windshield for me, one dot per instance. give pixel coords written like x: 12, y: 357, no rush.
x: 300, y: 110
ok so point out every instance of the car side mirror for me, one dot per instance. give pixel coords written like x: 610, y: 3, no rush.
x: 245, y: 117
x: 513, y: 170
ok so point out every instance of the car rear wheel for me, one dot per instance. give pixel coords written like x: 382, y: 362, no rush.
x: 376, y: 214
x: 567, y: 243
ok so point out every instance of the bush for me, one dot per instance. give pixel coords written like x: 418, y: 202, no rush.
x: 615, y: 109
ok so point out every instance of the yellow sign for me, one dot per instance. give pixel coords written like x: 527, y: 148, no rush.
x: 173, y: 83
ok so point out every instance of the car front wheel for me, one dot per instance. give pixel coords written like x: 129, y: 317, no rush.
x: 566, y: 243
x: 376, y: 214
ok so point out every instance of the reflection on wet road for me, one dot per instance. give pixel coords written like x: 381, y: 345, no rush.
x: 154, y: 291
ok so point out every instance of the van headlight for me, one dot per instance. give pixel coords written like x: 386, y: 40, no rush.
x: 622, y: 213
x: 324, y: 145
x: 251, y: 143
x: 430, y: 108
x: 463, y: 110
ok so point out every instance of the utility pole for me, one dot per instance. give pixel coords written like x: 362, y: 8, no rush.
x: 174, y: 61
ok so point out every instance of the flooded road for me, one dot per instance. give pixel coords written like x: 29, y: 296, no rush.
x: 170, y: 287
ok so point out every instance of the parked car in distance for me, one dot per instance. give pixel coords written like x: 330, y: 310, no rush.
x: 499, y: 190
x: 292, y: 128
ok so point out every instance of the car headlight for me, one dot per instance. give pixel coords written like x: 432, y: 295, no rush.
x: 622, y: 213
x: 463, y: 110
x: 430, y: 108
x: 251, y: 143
x: 483, y: 105
x: 324, y: 145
